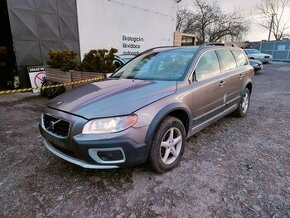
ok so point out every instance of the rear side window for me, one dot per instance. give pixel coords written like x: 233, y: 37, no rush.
x: 207, y: 66
x: 240, y: 58
x: 227, y: 59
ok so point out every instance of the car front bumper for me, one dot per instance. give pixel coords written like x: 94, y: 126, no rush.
x: 264, y: 60
x: 98, y: 154
x: 126, y: 148
x: 258, y: 68
x: 74, y: 160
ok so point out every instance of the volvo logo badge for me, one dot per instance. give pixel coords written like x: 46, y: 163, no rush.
x: 51, y: 125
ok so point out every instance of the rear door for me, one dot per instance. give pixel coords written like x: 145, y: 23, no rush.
x: 233, y: 77
x: 208, y: 89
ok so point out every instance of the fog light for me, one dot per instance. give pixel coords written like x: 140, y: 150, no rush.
x: 107, y: 155
x: 110, y: 155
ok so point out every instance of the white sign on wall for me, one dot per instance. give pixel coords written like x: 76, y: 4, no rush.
x: 281, y: 47
x: 131, y: 44
x: 37, y: 76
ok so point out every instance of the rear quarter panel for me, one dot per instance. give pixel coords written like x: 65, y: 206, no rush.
x: 249, y: 76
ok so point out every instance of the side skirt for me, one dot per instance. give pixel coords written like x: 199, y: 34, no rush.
x: 212, y: 120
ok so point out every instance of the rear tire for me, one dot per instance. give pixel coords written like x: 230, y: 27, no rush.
x: 167, y: 145
x: 243, y: 107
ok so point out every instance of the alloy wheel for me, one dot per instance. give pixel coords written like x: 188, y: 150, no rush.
x: 245, y: 102
x: 171, y: 145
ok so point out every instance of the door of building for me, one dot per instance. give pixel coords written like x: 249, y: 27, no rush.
x: 7, y: 55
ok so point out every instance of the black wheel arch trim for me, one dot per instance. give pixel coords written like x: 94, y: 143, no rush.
x: 161, y: 115
x: 247, y: 84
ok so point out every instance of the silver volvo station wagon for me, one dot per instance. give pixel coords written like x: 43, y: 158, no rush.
x: 147, y: 108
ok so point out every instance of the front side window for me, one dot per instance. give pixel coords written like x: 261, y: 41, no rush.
x: 227, y: 59
x: 170, y: 65
x: 207, y: 66
x: 240, y: 58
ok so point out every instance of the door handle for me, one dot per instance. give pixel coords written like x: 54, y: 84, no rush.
x: 222, y: 83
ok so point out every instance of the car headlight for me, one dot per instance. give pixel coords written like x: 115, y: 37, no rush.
x: 109, y: 125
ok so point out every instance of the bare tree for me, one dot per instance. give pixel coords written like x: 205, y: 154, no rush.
x: 273, y: 18
x: 206, y: 17
x: 209, y: 23
x: 181, y: 19
x: 185, y: 20
x: 230, y: 25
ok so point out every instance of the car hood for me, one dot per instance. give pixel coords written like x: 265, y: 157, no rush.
x: 113, y: 97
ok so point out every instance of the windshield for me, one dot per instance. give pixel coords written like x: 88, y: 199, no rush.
x: 253, y: 51
x: 170, y: 65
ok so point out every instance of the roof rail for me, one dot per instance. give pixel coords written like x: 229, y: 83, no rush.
x: 218, y: 44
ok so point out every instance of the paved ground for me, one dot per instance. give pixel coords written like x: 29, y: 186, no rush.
x: 234, y: 168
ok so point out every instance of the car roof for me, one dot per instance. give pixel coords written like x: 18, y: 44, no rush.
x: 205, y: 46
x: 167, y: 48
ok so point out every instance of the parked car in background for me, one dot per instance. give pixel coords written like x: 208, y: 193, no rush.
x: 255, y: 54
x: 147, y: 109
x: 256, y: 64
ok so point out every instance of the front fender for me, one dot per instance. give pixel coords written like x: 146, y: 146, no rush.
x: 163, y: 113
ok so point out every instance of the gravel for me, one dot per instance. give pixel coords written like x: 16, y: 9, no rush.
x: 234, y: 168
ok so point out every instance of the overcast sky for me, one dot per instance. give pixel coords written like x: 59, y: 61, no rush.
x: 246, y: 7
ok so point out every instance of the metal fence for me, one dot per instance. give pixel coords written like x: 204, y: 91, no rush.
x: 279, y: 49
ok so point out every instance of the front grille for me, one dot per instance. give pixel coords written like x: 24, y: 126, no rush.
x: 56, y: 126
x: 267, y: 56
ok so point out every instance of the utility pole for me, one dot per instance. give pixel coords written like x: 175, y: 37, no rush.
x: 271, y: 26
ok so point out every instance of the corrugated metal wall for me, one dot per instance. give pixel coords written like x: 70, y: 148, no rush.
x: 279, y: 49
x: 39, y: 25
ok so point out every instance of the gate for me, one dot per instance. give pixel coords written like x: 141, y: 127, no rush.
x: 279, y: 49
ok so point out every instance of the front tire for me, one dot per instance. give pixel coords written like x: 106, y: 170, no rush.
x: 167, y: 145
x: 244, y: 104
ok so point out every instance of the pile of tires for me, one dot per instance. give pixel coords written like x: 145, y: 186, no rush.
x: 51, y: 92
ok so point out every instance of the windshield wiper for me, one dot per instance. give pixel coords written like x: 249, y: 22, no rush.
x: 140, y: 78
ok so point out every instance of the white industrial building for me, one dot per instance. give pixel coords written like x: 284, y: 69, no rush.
x: 131, y: 26
x: 32, y: 27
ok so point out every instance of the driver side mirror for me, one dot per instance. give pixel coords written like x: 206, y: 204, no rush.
x: 191, y: 79
x: 193, y: 76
